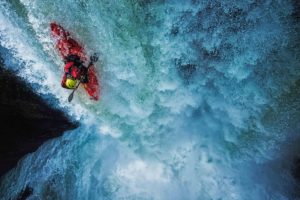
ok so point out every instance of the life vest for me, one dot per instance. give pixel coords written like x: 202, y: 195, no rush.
x: 71, y: 69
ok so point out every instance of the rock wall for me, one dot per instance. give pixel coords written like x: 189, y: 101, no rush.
x: 26, y: 121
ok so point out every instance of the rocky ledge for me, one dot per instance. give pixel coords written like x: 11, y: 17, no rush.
x: 26, y: 121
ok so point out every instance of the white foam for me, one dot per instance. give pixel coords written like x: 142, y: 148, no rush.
x: 107, y: 130
x: 157, y: 134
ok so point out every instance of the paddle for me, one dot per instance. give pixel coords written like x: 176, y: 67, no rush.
x: 93, y: 59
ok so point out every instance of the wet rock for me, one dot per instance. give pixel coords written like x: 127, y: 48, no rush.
x: 296, y: 169
x: 26, y: 121
x: 25, y: 193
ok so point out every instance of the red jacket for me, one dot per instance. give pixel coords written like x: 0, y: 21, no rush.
x: 70, y: 70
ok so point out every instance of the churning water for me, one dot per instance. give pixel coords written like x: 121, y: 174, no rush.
x: 199, y: 99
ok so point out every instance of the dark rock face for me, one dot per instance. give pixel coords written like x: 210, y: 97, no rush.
x: 25, y: 193
x: 296, y: 169
x: 26, y: 121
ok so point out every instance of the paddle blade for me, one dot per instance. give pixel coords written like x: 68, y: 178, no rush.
x: 71, y: 96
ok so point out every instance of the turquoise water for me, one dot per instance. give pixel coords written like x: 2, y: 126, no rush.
x: 199, y: 99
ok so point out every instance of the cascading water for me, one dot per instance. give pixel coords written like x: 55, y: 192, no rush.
x: 198, y: 99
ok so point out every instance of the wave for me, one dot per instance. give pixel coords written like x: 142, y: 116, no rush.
x: 197, y: 99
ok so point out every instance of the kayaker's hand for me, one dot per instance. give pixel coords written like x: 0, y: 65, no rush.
x: 94, y: 58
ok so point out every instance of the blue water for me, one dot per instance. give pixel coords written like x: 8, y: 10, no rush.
x: 199, y: 99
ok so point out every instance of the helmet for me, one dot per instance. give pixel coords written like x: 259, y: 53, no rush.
x: 71, y: 83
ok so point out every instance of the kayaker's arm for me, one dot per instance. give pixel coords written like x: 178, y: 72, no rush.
x: 93, y: 59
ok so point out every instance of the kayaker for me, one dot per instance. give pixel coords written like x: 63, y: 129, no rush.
x: 74, y: 71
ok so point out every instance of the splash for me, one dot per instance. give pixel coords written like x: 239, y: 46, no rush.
x: 197, y: 99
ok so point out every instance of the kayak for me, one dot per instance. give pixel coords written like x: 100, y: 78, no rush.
x: 66, y: 46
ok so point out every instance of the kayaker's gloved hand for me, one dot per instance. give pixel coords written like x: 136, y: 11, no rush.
x: 84, y: 79
x: 94, y: 58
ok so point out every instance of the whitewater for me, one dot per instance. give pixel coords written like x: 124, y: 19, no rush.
x: 199, y: 99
